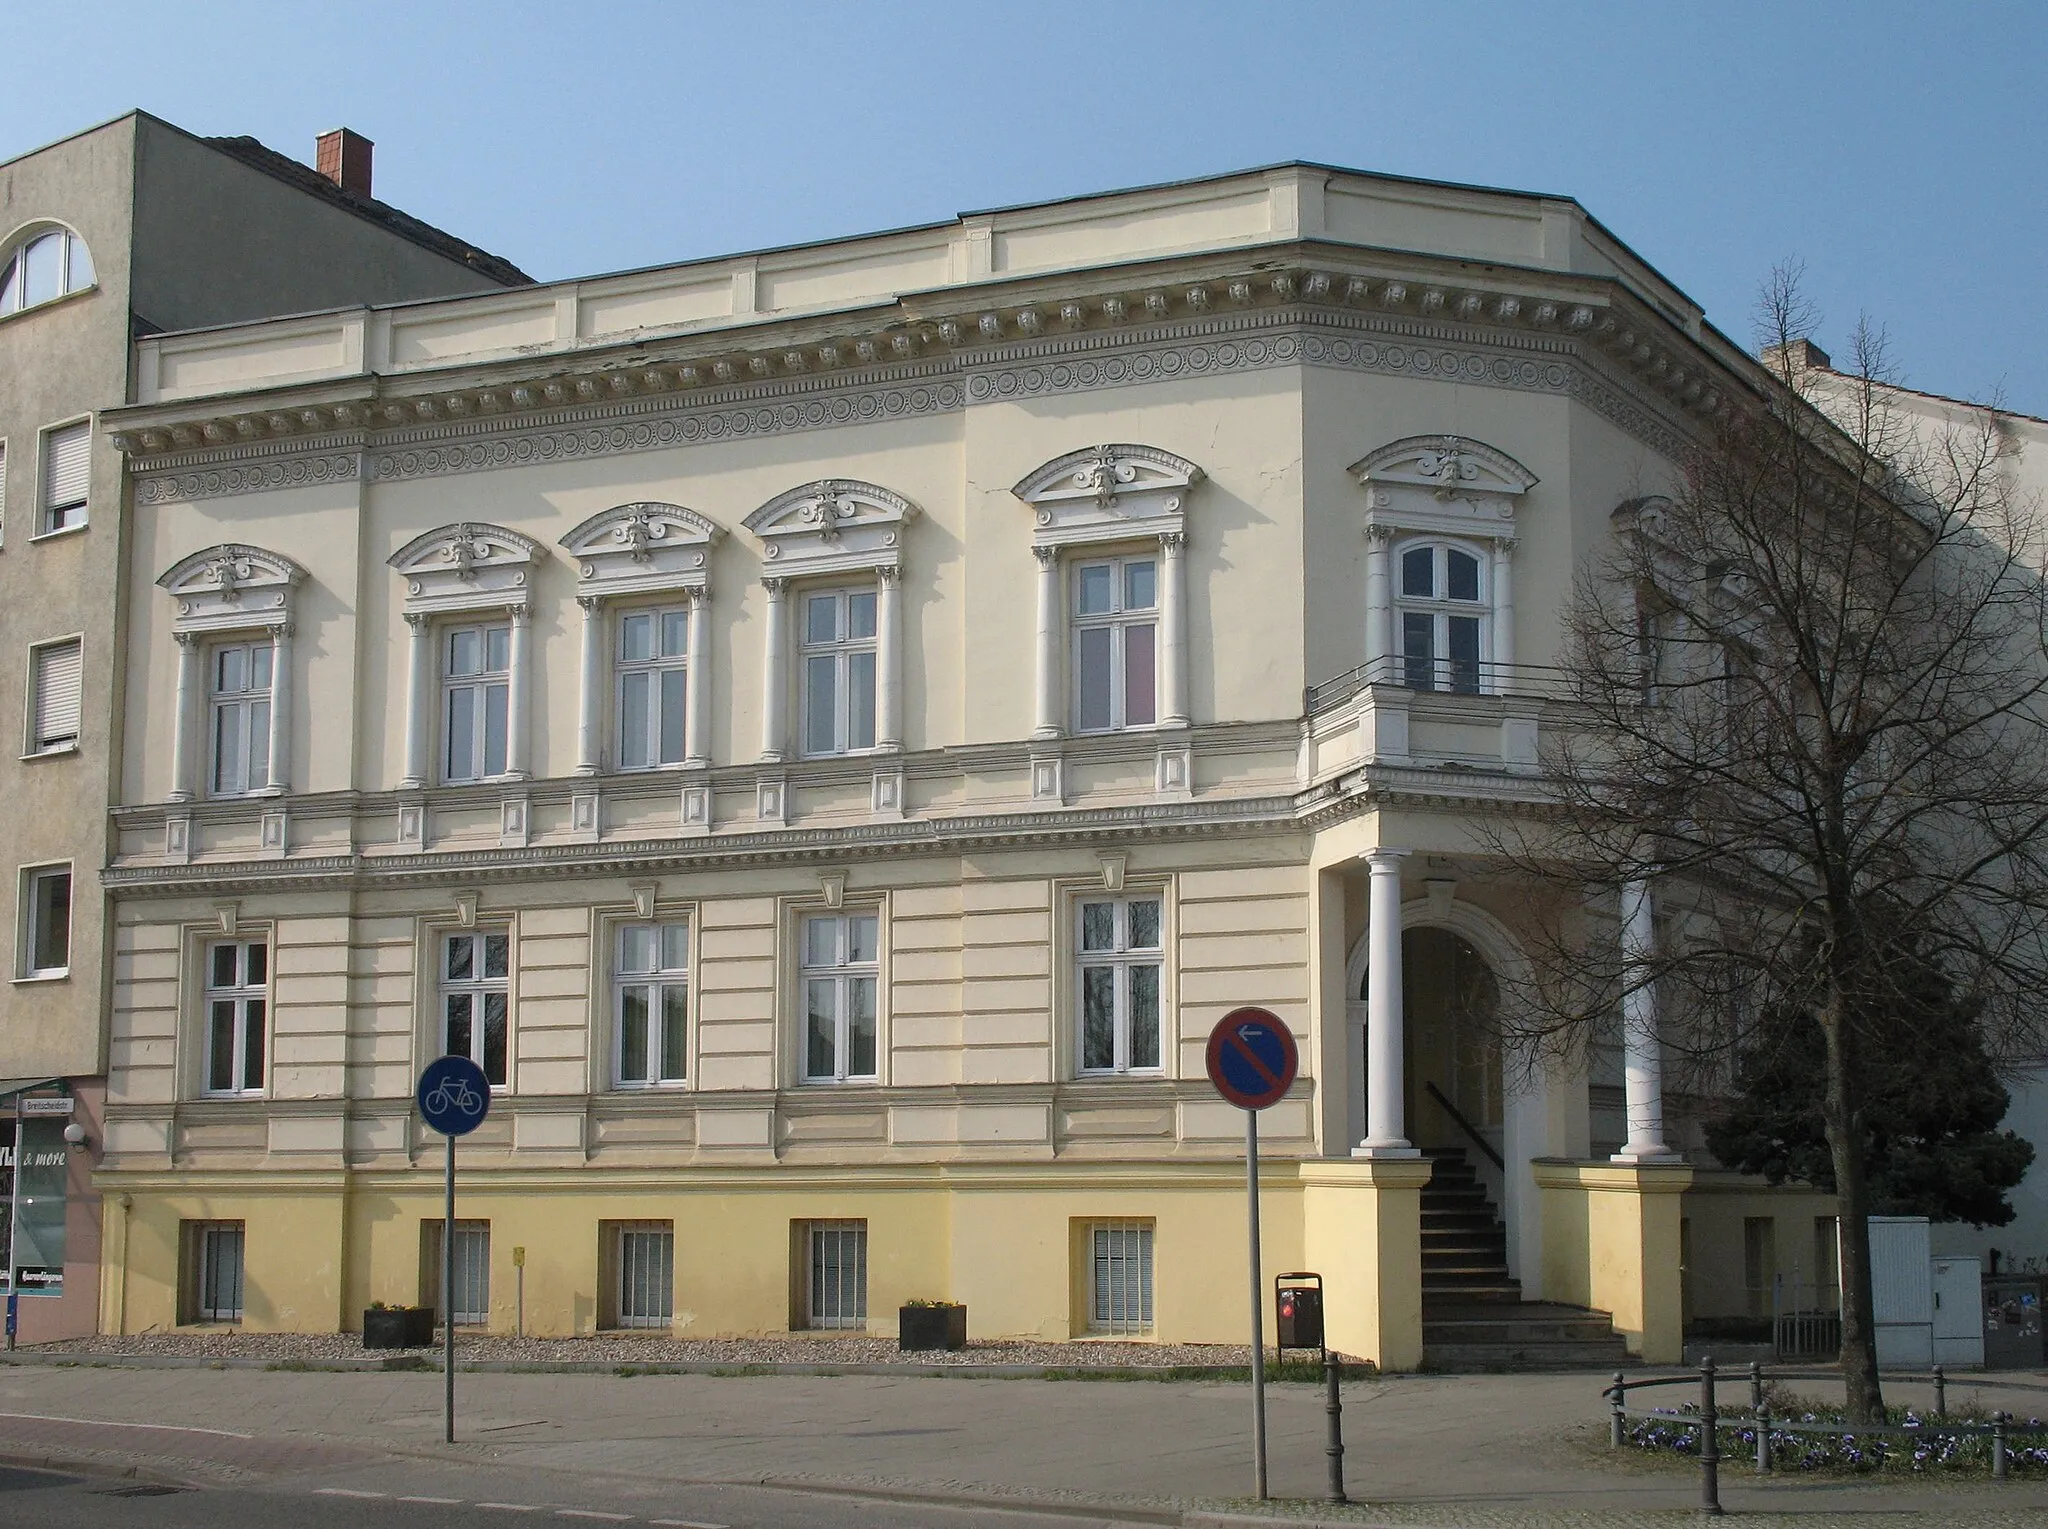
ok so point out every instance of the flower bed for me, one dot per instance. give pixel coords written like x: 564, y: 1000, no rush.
x: 1922, y: 1447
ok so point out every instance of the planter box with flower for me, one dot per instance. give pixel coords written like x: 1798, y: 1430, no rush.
x: 924, y: 1325
x: 398, y: 1326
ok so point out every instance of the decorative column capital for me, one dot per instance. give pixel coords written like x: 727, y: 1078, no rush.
x: 518, y: 615
x: 775, y: 587
x: 187, y: 640
x: 698, y: 596
x: 889, y: 575
x: 1505, y: 545
x: 1379, y: 534
x: 1048, y: 557
x: 418, y: 621
x: 1173, y: 541
x: 1385, y: 862
x: 591, y: 603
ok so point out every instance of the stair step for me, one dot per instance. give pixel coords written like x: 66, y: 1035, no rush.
x: 1524, y: 1356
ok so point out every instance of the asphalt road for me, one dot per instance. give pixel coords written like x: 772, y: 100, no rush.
x: 416, y: 1499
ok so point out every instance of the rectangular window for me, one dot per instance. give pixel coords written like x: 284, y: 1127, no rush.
x: 653, y: 686
x: 1759, y: 1261
x: 46, y: 922
x: 239, y: 682
x: 1120, y: 1277
x: 838, y: 658
x: 476, y: 999
x: 213, y: 1271
x: 67, y: 471
x: 1120, y: 959
x: 837, y: 1274
x: 644, y: 1286
x: 841, y: 971
x: 3, y: 491
x: 237, y: 1004
x: 651, y: 1004
x: 472, y: 1270
x: 476, y: 683
x: 55, y: 683
x: 1116, y: 626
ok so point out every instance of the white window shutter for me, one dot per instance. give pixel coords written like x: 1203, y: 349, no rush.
x: 59, y: 670
x: 68, y: 466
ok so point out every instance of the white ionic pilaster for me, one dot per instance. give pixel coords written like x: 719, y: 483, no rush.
x: 1048, y: 719
x: 775, y: 672
x: 1379, y: 599
x: 280, y: 772
x: 697, y: 687
x: 1385, y: 1063
x: 185, y: 745
x: 1642, y: 1054
x: 518, y: 705
x: 419, y: 700
x: 1173, y: 629
x: 888, y: 658
x: 1503, y: 615
x: 590, y: 700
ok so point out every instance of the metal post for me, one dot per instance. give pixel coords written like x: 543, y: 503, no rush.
x: 14, y: 1234
x: 1940, y: 1393
x: 1251, y: 1182
x: 1756, y: 1386
x: 1333, y: 1409
x: 1617, y: 1423
x: 1998, y: 1422
x: 519, y: 1311
x: 1763, y: 1441
x: 1710, y: 1450
x: 448, y: 1297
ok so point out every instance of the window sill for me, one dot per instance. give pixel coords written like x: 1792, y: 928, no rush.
x: 61, y: 532
x: 868, y: 1082
x: 666, y: 1086
x: 49, y: 302
x: 255, y: 1096
x: 61, y: 974
x: 63, y: 752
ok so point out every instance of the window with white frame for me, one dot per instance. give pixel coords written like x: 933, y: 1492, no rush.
x: 476, y: 701
x: 653, y: 689
x: 1120, y: 960
x: 237, y: 1005
x: 45, y: 933
x: 836, y: 1281
x: 67, y: 477
x: 1120, y: 1277
x: 1116, y: 629
x: 239, y: 740
x: 1441, y: 614
x: 651, y: 1004
x: 3, y: 490
x: 644, y: 1255
x: 841, y: 973
x: 476, y: 1000
x: 839, y: 670
x: 44, y: 268
x: 56, y: 672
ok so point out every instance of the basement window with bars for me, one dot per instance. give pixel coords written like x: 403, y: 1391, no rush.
x: 213, y: 1264
x: 836, y: 1282
x: 1120, y: 1278
x: 643, y: 1273
x: 472, y: 1270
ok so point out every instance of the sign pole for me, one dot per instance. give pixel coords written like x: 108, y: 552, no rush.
x: 448, y: 1298
x: 1251, y: 1188
x: 14, y: 1233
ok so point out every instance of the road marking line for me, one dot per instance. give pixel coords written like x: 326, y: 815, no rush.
x: 610, y: 1518
x: 512, y: 1507
x: 50, y: 1417
x: 342, y: 1492
x: 446, y: 1502
x: 685, y: 1523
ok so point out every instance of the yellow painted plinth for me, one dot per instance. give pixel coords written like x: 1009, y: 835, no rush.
x: 1611, y: 1242
x: 1362, y: 1230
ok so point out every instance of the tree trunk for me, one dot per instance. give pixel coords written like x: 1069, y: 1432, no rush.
x: 1862, y: 1398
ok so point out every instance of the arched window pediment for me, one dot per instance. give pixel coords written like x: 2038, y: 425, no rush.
x: 230, y: 586
x: 835, y: 525
x: 642, y: 548
x: 1108, y: 493
x: 1444, y: 483
x: 466, y: 566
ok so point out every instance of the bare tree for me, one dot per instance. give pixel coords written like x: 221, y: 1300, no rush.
x: 1812, y: 712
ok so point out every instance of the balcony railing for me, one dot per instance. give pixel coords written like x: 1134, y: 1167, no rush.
x: 1439, y: 675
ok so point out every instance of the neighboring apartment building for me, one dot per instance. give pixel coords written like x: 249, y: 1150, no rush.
x: 830, y: 731
x: 126, y: 229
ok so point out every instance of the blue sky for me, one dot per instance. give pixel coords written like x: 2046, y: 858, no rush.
x: 1900, y: 151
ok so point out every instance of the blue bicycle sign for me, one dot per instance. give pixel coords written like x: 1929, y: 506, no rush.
x: 454, y: 1096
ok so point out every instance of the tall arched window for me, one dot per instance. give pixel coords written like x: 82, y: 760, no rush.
x: 44, y: 267
x: 1443, y: 615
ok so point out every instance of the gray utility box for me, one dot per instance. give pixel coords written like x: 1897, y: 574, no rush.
x: 2012, y: 1322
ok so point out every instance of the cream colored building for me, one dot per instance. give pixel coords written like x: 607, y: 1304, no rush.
x: 831, y: 730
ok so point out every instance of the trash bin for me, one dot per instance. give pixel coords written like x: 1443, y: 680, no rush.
x: 1298, y: 1311
x: 2012, y: 1322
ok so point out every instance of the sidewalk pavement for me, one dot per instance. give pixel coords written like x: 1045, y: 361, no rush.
x: 1450, y: 1450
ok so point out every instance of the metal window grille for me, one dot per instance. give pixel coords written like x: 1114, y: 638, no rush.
x: 220, y: 1273
x: 1120, y: 1300
x: 646, y: 1277
x: 839, y: 1274
x: 472, y: 1274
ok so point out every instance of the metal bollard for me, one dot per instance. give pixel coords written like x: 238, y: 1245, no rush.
x: 1333, y: 1409
x: 1710, y: 1447
x: 1617, y: 1423
x: 1940, y: 1393
x: 1763, y: 1441
x: 1756, y: 1386
x: 1998, y: 1422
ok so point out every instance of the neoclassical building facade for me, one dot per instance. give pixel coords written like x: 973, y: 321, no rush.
x: 830, y: 731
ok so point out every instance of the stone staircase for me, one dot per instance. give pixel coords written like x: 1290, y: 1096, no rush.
x: 1473, y: 1314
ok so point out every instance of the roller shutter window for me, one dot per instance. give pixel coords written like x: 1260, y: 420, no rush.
x: 56, y: 671
x: 67, y: 471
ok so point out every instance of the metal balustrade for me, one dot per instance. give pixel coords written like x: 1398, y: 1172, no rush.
x: 1439, y: 676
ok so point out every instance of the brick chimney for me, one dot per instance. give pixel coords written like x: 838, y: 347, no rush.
x: 344, y: 158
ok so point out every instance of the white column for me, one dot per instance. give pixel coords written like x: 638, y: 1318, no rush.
x: 419, y: 701
x: 185, y: 745
x: 1642, y: 1057
x: 1047, y: 720
x: 775, y: 672
x: 590, y: 702
x: 518, y: 743
x: 1385, y: 1065
x: 889, y: 658
x: 1503, y: 615
x: 697, y: 692
x: 1173, y: 629
x: 281, y: 709
x: 1379, y: 600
